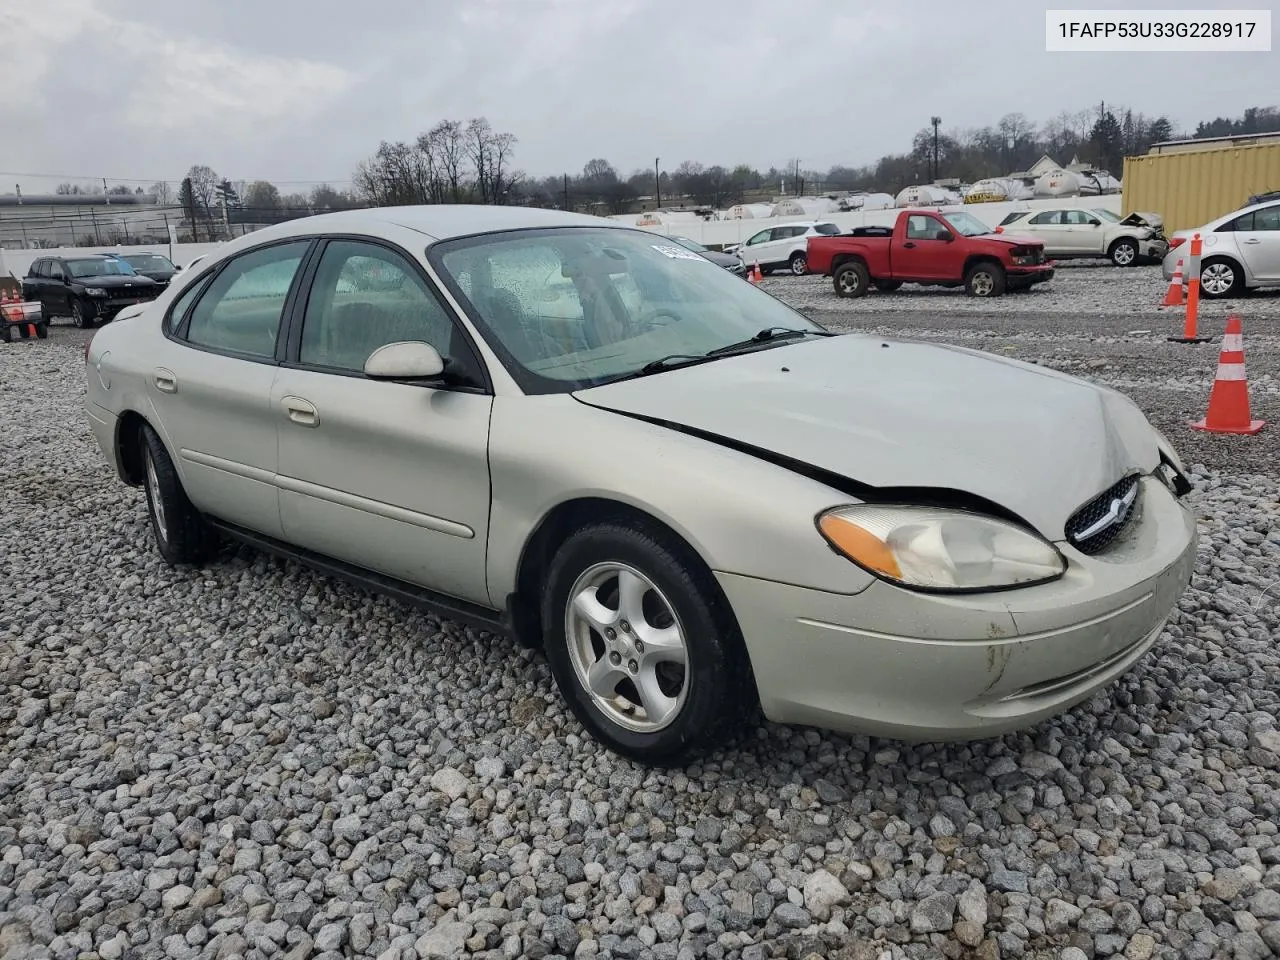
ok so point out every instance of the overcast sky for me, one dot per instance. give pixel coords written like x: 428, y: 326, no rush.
x: 301, y: 90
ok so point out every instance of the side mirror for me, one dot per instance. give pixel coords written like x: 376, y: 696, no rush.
x: 405, y: 360
x: 946, y: 236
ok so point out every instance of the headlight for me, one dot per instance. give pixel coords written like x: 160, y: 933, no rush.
x: 932, y: 548
x: 1169, y: 450
x: 95, y: 291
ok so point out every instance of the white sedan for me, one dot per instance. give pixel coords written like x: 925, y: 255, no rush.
x: 699, y: 503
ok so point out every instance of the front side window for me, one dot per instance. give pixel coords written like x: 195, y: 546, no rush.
x: 240, y: 310
x: 365, y: 296
x: 760, y: 237
x: 574, y: 307
x: 922, y: 228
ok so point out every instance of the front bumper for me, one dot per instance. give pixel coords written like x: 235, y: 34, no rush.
x: 1029, y: 275
x: 895, y: 663
x: 1153, y: 249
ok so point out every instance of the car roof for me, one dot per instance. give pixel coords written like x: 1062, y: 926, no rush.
x: 438, y: 221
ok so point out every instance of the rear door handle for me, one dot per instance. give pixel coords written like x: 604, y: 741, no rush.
x: 165, y: 381
x: 301, y: 412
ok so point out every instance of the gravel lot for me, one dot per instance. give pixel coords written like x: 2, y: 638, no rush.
x: 253, y: 761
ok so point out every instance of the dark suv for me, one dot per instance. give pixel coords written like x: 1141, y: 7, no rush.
x: 91, y: 289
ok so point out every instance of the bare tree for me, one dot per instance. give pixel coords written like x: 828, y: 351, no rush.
x: 204, y: 183
x: 162, y: 192
x: 447, y: 148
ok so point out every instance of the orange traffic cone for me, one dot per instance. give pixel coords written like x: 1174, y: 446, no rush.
x: 1229, y: 396
x: 756, y: 275
x: 1173, y: 298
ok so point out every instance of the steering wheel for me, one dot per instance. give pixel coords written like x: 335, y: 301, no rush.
x: 652, y: 316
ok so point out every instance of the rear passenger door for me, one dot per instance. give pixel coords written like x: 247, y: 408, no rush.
x: 209, y: 381
x: 391, y: 477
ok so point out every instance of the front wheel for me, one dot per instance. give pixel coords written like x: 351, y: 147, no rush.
x: 1220, y: 278
x: 985, y: 280
x: 643, y: 645
x: 80, y: 315
x: 851, y: 280
x: 42, y: 331
x: 1124, y: 253
x: 799, y: 264
x: 182, y: 535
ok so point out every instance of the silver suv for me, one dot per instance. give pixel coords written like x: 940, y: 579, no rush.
x: 1241, y: 251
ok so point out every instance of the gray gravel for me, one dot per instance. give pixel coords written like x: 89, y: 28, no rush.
x: 255, y: 761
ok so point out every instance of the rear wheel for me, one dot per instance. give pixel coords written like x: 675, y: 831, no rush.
x: 181, y: 533
x: 851, y: 279
x: 985, y: 280
x: 799, y: 264
x: 42, y: 331
x: 643, y: 645
x: 6, y: 332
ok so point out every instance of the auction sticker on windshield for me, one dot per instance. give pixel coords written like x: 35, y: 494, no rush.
x: 676, y: 253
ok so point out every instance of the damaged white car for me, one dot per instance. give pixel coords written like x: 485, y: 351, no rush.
x: 698, y: 502
x: 1073, y: 233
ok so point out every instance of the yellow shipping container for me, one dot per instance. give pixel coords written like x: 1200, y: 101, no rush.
x: 1193, y: 187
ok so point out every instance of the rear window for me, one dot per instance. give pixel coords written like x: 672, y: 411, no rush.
x: 826, y: 229
x: 1011, y: 218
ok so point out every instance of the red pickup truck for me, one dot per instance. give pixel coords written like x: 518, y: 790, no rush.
x: 933, y: 248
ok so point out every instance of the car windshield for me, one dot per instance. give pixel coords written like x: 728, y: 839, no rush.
x: 103, y: 267
x: 827, y: 229
x: 686, y: 242
x: 569, y: 308
x: 1107, y: 215
x: 148, y: 261
x: 967, y: 225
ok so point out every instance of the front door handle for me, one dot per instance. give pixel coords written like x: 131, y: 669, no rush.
x: 1253, y: 240
x: 909, y: 245
x: 165, y: 381
x: 301, y: 412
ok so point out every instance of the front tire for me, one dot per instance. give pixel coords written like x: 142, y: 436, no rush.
x: 42, y: 331
x: 985, y: 280
x: 1124, y: 253
x: 851, y: 279
x: 1221, y: 278
x: 182, y: 535
x: 643, y: 645
x: 80, y: 316
x: 799, y: 264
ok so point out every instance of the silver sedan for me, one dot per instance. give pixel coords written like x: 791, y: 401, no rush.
x: 698, y: 502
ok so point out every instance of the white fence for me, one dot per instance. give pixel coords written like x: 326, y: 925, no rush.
x: 716, y: 233
x: 719, y: 233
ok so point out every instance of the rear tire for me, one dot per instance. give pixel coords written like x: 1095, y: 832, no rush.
x: 669, y: 610
x: 42, y: 331
x: 6, y: 333
x: 182, y: 535
x: 985, y: 279
x: 799, y: 264
x: 851, y: 279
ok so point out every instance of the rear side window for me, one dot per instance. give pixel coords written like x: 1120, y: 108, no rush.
x: 179, y: 311
x: 1048, y: 217
x: 827, y: 229
x: 1267, y: 219
x: 36, y: 266
x: 240, y: 310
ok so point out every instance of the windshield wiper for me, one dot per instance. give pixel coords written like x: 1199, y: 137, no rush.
x: 764, y: 336
x: 672, y: 360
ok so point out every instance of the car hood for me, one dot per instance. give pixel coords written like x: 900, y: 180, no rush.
x: 893, y: 414
x: 160, y: 276
x: 1139, y: 219
x: 114, y: 281
x: 721, y: 259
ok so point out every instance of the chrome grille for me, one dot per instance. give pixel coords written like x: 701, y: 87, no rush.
x: 1095, y: 526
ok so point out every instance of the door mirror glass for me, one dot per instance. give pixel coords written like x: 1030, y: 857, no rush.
x: 404, y: 360
x: 1093, y: 222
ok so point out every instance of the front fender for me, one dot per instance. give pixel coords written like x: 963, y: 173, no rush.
x: 740, y: 514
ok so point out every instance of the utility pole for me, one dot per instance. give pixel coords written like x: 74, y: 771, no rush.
x: 566, y: 191
x: 105, y: 191
x: 657, y: 184
x: 935, y: 121
x: 97, y: 237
